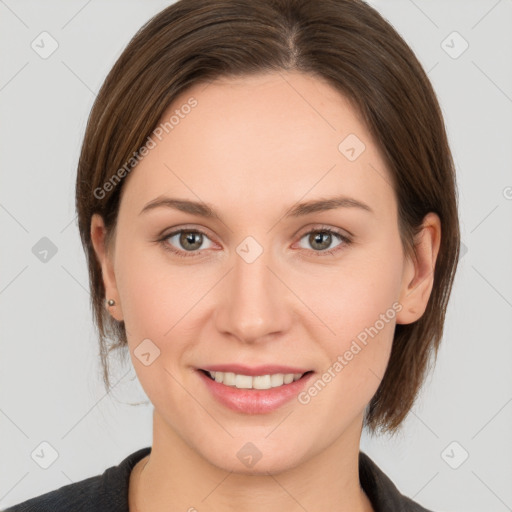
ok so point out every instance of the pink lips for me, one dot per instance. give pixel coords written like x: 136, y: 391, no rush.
x: 254, y: 401
x: 267, y: 369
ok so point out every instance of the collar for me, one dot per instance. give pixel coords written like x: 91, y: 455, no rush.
x: 382, y: 493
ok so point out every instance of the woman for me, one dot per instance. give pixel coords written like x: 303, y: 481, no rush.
x: 267, y: 201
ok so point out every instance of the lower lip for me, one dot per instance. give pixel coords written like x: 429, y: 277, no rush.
x: 254, y: 401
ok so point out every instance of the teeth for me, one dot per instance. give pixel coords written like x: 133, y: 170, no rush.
x: 258, y: 382
x: 243, y: 381
x: 262, y: 382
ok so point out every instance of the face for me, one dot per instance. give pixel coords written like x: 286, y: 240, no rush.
x: 262, y: 281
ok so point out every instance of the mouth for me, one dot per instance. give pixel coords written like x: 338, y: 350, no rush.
x: 261, y: 382
x: 254, y: 390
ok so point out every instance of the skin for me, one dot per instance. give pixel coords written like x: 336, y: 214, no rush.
x: 252, y: 148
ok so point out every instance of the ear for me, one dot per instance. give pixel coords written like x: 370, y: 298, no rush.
x: 105, y: 259
x: 418, y: 275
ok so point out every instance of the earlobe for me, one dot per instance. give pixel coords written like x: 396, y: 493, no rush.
x: 418, y: 276
x: 104, y: 258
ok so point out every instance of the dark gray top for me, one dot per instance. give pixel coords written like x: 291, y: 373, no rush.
x: 108, y: 492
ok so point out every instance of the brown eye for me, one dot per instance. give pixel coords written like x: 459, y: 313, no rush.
x: 320, y: 240
x: 190, y: 240
x: 185, y: 241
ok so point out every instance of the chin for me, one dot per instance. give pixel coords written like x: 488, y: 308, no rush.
x: 249, y: 460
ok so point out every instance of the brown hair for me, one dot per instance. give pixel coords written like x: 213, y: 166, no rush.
x: 347, y: 43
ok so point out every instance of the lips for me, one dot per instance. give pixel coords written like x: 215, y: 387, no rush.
x: 253, y: 371
x: 254, y: 389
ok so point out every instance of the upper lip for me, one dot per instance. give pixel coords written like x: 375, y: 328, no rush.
x: 267, y: 369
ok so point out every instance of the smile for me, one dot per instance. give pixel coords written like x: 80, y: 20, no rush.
x: 241, y: 381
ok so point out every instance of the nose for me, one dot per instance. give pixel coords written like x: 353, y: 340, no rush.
x: 255, y: 303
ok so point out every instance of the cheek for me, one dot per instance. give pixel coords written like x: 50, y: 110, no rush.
x: 359, y: 307
x: 161, y: 301
x: 353, y: 296
x: 157, y: 304
x: 152, y: 290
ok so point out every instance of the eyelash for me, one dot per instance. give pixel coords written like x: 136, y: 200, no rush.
x: 182, y: 254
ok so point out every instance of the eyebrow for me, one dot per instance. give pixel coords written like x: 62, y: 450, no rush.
x: 299, y: 210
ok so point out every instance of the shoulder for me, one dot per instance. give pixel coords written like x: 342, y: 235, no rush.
x: 381, y: 491
x: 105, y: 492
x: 81, y: 496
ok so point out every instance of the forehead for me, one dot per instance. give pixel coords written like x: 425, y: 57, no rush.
x: 268, y: 138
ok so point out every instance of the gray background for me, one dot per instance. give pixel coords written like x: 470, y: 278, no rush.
x: 50, y: 385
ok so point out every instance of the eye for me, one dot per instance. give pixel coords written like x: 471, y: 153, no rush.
x: 189, y: 242
x: 321, y: 240
x: 186, y: 240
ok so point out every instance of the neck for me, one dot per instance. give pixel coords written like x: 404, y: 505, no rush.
x: 175, y: 477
